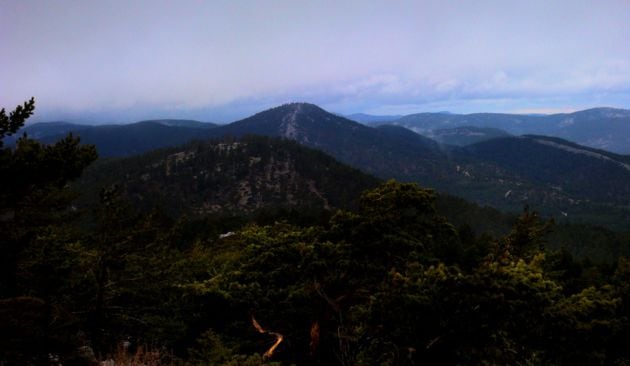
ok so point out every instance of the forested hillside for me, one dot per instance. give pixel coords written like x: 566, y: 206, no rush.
x: 386, y: 279
x: 263, y: 179
x: 231, y: 177
x: 564, y: 180
x: 560, y: 179
x: 467, y: 135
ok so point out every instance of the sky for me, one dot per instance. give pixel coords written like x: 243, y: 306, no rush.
x: 221, y: 60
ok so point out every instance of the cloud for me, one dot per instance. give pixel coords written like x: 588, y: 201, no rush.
x: 206, y: 56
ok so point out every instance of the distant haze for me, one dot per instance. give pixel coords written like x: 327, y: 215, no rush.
x: 120, y: 61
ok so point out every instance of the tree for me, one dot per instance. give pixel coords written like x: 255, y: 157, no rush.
x: 527, y: 237
x: 33, y: 192
x: 129, y: 276
x: 315, y: 285
x: 15, y: 120
x: 34, y: 209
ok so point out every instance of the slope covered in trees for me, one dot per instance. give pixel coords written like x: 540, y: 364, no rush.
x: 270, y: 178
x: 388, y: 280
x: 466, y: 135
x: 502, y: 173
x: 232, y: 177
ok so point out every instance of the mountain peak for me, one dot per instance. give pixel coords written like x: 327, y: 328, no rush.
x: 302, y: 122
x: 301, y: 104
x: 298, y: 107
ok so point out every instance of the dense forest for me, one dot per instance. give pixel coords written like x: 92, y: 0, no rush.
x: 387, y: 280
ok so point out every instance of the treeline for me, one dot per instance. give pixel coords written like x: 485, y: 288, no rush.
x: 389, y: 282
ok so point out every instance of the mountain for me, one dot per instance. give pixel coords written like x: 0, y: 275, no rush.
x: 123, y: 140
x: 231, y: 176
x: 372, y: 150
x: 424, y: 123
x: 370, y: 118
x: 488, y: 173
x: 39, y: 131
x: 602, y: 128
x: 409, y: 140
x: 257, y: 173
x: 261, y: 174
x: 555, y: 176
x: 182, y: 123
x: 466, y: 135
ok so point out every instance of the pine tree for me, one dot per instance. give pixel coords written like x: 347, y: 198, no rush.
x: 34, y: 207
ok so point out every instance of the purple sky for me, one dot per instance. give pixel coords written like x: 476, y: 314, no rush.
x: 122, y: 60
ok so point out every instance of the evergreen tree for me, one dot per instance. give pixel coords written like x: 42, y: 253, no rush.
x: 34, y: 209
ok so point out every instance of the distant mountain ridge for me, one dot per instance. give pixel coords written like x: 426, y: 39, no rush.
x: 181, y: 123
x: 45, y: 130
x: 602, y: 128
x: 466, y: 135
x: 370, y: 118
x: 121, y: 140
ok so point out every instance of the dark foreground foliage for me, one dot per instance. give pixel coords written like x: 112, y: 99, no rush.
x: 391, y: 282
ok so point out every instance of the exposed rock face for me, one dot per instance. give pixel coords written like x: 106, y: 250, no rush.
x: 289, y: 123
